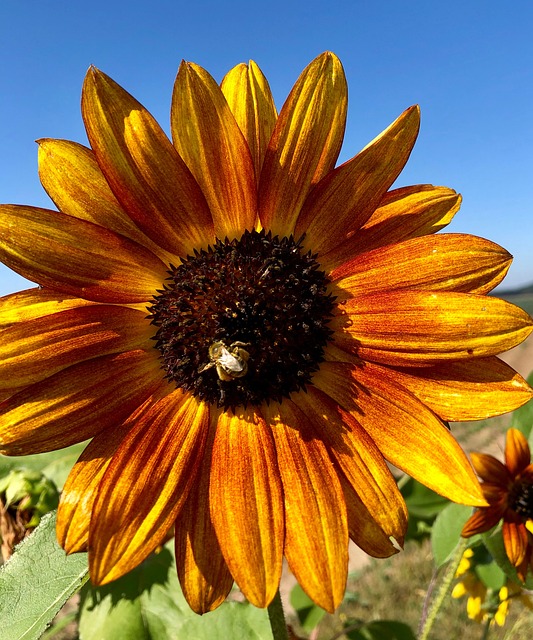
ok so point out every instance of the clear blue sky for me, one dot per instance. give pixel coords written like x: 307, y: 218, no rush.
x: 468, y: 63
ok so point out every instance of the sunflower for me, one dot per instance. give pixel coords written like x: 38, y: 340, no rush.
x: 246, y: 333
x: 508, y: 489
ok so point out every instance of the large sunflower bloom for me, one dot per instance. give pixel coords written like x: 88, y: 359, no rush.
x: 247, y: 334
x: 508, y: 489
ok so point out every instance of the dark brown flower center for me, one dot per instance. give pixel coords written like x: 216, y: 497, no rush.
x: 245, y: 321
x: 521, y: 499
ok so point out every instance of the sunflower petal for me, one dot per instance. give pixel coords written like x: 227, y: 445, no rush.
x: 359, y: 458
x: 515, y: 540
x: 444, y: 262
x: 482, y: 520
x: 490, y: 470
x: 411, y: 327
x: 517, y: 453
x: 145, y: 485
x: 249, y: 97
x: 343, y: 201
x: 407, y: 433
x: 36, y: 349
x: 305, y: 143
x: 408, y: 212
x: 77, y: 403
x: 246, y: 503
x: 77, y: 257
x: 316, y: 542
x: 208, y: 138
x: 203, y: 573
x: 142, y: 167
x: 467, y: 389
x: 72, y: 178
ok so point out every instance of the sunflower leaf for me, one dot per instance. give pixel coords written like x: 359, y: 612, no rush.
x: 446, y: 531
x: 36, y: 581
x: 382, y: 630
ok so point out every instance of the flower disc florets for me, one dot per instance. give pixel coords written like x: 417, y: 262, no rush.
x: 521, y: 499
x: 245, y: 321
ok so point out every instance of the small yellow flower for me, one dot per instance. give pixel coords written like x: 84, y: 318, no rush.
x: 246, y: 333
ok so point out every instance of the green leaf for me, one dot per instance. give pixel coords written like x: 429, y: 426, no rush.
x: 148, y: 604
x: 383, y: 630
x: 493, y: 540
x: 309, y: 614
x: 491, y: 575
x: 421, y: 501
x: 36, y: 581
x: 447, y: 531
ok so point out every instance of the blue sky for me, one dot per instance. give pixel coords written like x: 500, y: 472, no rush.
x: 468, y: 63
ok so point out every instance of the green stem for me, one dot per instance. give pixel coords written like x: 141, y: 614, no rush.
x: 277, y: 619
x: 447, y: 578
x: 486, y: 629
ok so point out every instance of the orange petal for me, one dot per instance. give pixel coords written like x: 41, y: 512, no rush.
x: 444, y: 262
x: 406, y: 432
x: 344, y: 200
x: 36, y: 349
x: 316, y: 542
x: 246, y: 503
x: 305, y: 143
x: 35, y: 303
x: 77, y: 257
x: 515, y: 539
x: 467, y: 389
x: 404, y: 213
x: 517, y: 453
x: 72, y: 178
x: 359, y: 458
x: 482, y: 520
x: 79, y: 492
x: 410, y: 327
x: 146, y: 485
x: 142, y: 167
x: 249, y: 97
x: 490, y: 470
x: 203, y: 573
x: 77, y: 403
x: 208, y: 138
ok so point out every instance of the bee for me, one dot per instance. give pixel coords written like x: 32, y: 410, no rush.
x: 230, y: 362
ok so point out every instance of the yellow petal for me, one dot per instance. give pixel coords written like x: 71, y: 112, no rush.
x: 142, y: 167
x: 517, y: 453
x: 305, y: 143
x: 208, y: 138
x: 409, y: 327
x: 344, y: 200
x: 407, y: 433
x: 467, y: 389
x: 408, y: 212
x: 316, y: 541
x: 61, y: 410
x: 146, y: 485
x: 444, y: 262
x: 77, y: 257
x: 249, y: 97
x: 246, y: 503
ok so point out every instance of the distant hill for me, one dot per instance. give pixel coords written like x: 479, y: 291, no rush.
x: 528, y: 288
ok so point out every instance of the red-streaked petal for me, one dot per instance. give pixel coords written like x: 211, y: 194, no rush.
x: 408, y: 212
x: 146, y: 485
x: 359, y: 458
x: 72, y: 178
x: 203, y: 573
x: 305, y: 143
x: 142, y: 167
x: 77, y: 403
x: 36, y: 349
x: 444, y: 262
x: 406, y: 432
x: 467, y: 389
x: 343, y: 201
x: 246, y: 503
x: 77, y: 257
x: 208, y: 138
x: 491, y: 470
x: 249, y: 97
x: 515, y: 539
x: 517, y: 453
x: 316, y: 541
x: 482, y: 520
x: 413, y: 327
